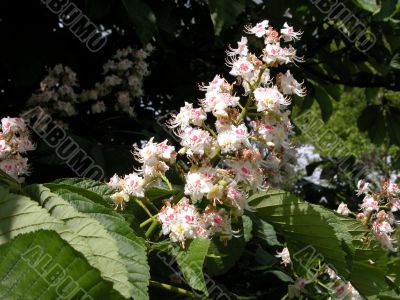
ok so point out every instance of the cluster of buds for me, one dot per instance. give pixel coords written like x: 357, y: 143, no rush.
x: 57, y: 94
x: 14, y: 141
x: 377, y: 210
x: 122, y: 84
x: 236, y: 145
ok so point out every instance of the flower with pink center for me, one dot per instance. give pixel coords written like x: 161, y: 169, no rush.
x: 269, y: 99
x: 12, y: 125
x: 393, y: 188
x: 288, y: 34
x: 5, y: 149
x: 395, y: 205
x: 369, y: 204
x: 188, y: 115
x: 259, y: 30
x: 199, y: 183
x: 234, y: 138
x: 133, y: 185
x: 196, y: 141
x: 273, y: 54
x: 242, y: 67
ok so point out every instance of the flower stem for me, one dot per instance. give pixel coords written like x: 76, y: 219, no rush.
x: 174, y: 289
x: 149, y: 220
x: 140, y: 203
x: 167, y: 182
x: 151, y: 228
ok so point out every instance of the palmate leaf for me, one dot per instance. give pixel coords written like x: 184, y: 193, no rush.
x: 103, y: 250
x: 41, y: 265
x: 91, y: 228
x: 131, y: 247
x: 316, y: 231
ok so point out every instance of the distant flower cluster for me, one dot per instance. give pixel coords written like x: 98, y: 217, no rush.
x: 14, y: 142
x: 122, y: 84
x: 377, y: 210
x: 235, y: 144
x: 57, y: 92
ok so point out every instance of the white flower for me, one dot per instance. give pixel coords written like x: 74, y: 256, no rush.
x: 199, y: 183
x: 284, y: 255
x: 119, y: 199
x: 196, y: 141
x: 5, y: 149
x: 393, y: 188
x: 259, y: 30
x: 188, y: 115
x: 242, y: 67
x: 289, y: 86
x: 133, y: 185
x: 269, y: 99
x: 274, y: 54
x: 288, y: 34
x: 234, y: 138
x: 98, y: 107
x: 362, y: 187
x: 12, y: 125
x: 342, y: 209
x: 241, y: 50
x: 369, y: 204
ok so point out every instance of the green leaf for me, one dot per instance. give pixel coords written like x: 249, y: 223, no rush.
x: 131, y: 247
x: 222, y: 257
x: 224, y: 13
x: 41, y: 265
x: 265, y: 231
x: 281, y: 275
x: 191, y: 263
x: 99, y: 245
x: 325, y: 102
x: 395, y: 61
x: 142, y: 18
x: 369, y: 5
x: 304, y: 226
x: 373, y: 121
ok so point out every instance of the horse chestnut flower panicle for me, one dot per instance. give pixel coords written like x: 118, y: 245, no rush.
x: 246, y: 147
x: 377, y: 211
x: 14, y: 141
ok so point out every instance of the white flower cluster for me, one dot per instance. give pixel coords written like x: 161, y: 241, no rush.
x: 155, y: 158
x: 377, y: 210
x: 14, y: 141
x: 245, y: 147
x: 122, y: 83
x: 182, y: 221
x: 57, y: 92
